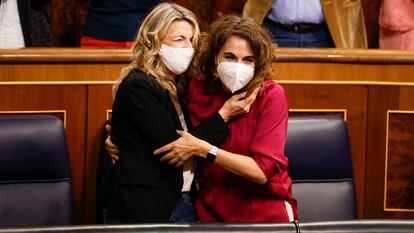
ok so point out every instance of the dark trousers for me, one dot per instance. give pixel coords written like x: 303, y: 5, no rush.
x: 184, y: 212
x: 290, y: 39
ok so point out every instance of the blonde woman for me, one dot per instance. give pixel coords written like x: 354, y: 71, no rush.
x: 147, y: 111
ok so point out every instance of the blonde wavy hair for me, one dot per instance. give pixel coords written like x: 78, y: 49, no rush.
x: 145, y: 51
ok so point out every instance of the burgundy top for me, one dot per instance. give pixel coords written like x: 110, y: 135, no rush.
x: 260, y: 134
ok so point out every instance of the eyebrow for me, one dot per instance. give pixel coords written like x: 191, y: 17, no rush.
x: 175, y: 36
x: 228, y: 53
x: 181, y: 35
x: 246, y: 57
x: 249, y: 57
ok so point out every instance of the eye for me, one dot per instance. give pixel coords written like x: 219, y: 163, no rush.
x: 178, y: 39
x: 248, y: 60
x: 229, y: 56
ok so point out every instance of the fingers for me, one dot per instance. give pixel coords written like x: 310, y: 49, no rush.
x: 170, y: 155
x: 173, y: 160
x: 176, y: 162
x: 247, y: 102
x: 111, y: 148
x: 113, y: 156
x: 239, y: 96
x: 180, y: 132
x: 252, y: 97
x: 163, y: 149
x: 179, y: 164
x: 108, y: 143
x: 254, y: 94
x: 108, y: 129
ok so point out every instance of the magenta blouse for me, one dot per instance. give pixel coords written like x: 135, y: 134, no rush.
x: 260, y: 134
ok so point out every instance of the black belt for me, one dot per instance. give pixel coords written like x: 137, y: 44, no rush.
x: 298, y: 27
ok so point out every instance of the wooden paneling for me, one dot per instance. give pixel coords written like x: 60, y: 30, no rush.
x: 345, y: 72
x: 383, y: 99
x: 399, y: 157
x: 99, y: 101
x: 59, y: 72
x: 46, y: 98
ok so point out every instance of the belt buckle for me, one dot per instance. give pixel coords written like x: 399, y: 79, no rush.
x: 296, y: 28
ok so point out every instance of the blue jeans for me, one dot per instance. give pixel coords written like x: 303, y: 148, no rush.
x: 184, y: 210
x: 289, y: 39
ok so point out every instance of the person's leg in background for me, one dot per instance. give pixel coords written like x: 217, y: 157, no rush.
x: 289, y: 39
x: 317, y: 39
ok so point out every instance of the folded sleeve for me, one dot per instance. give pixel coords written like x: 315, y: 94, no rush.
x: 268, y: 143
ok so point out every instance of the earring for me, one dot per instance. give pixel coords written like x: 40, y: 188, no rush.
x: 215, y: 75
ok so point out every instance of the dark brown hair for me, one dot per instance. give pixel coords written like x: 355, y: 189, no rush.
x: 247, y: 29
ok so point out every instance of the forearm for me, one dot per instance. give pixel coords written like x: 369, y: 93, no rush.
x: 238, y: 164
x: 241, y: 165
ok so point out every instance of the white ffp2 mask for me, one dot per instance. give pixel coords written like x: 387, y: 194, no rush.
x: 235, y: 75
x: 177, y: 60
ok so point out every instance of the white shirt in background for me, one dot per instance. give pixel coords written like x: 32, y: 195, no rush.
x: 11, y: 34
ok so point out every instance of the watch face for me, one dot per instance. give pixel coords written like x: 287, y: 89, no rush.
x: 210, y: 157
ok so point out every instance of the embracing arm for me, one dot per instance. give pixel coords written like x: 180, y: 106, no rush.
x: 212, y: 130
x: 138, y: 109
x: 266, y: 155
x: 241, y: 165
x: 215, y: 128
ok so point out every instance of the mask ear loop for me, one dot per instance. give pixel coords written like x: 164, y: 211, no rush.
x: 216, y: 75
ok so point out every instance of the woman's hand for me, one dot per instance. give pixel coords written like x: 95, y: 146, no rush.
x: 183, y: 149
x: 237, y: 105
x: 110, y: 146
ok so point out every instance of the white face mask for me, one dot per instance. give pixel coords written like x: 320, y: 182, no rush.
x: 177, y: 60
x: 235, y: 75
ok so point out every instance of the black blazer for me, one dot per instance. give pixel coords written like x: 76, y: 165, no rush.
x: 143, y: 119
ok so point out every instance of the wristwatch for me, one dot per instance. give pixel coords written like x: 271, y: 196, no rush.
x: 212, y: 154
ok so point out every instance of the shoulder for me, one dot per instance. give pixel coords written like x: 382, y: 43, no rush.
x: 138, y: 79
x: 271, y: 89
x: 137, y: 83
x: 272, y: 96
x: 136, y: 75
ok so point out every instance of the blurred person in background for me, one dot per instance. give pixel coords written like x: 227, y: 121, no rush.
x: 311, y: 23
x: 113, y: 23
x: 396, y: 20
x: 24, y: 23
